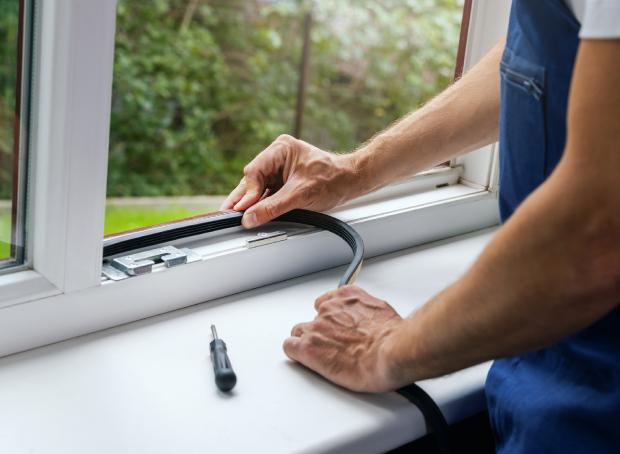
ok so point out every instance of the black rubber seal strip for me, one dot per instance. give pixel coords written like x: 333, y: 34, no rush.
x: 136, y: 239
x: 435, y: 421
x: 150, y: 236
x: 337, y: 227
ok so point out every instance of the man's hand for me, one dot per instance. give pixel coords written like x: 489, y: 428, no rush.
x: 346, y: 342
x: 553, y: 269
x: 291, y: 174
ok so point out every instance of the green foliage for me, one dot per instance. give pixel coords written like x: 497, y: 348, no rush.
x: 8, y: 78
x: 375, y: 62
x: 201, y: 86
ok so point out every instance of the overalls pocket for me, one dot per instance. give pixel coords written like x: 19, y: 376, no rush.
x: 522, y: 129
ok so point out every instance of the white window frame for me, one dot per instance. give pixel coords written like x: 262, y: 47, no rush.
x: 62, y: 295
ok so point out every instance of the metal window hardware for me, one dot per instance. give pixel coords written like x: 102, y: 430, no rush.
x: 264, y: 238
x: 109, y: 272
x: 142, y: 262
x: 139, y: 263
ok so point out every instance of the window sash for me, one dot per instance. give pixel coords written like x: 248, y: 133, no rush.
x: 74, y: 51
x: 72, y: 101
x: 19, y: 163
x: 488, y: 24
x: 228, y: 268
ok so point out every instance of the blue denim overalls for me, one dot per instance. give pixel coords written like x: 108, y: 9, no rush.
x: 565, y: 398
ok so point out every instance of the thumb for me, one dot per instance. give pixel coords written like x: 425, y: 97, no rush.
x: 270, y: 207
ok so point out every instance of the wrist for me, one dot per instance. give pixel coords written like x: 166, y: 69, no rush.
x: 351, y: 179
x: 361, y: 176
x: 398, y: 357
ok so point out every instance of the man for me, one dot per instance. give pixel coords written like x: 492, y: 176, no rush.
x: 543, y: 296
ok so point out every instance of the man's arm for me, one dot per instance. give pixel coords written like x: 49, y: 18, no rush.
x: 552, y: 270
x: 298, y: 175
x: 462, y: 118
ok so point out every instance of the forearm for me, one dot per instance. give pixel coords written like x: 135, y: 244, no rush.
x: 554, y: 267
x: 462, y: 118
x: 551, y: 271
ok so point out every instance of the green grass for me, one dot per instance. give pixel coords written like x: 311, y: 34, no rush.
x: 5, y: 234
x: 117, y: 219
x: 120, y: 218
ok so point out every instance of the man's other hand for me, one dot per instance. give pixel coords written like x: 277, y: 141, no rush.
x: 292, y: 174
x: 346, y: 342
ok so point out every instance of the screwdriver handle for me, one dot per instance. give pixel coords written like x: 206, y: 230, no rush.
x: 225, y: 377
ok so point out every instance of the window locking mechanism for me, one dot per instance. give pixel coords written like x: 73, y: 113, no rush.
x: 120, y: 268
x: 142, y: 262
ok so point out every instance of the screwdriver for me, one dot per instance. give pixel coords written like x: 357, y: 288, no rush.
x: 225, y: 378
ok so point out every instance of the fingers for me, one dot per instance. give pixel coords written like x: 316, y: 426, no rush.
x: 254, y: 189
x: 268, y: 168
x: 344, y: 291
x: 321, y: 300
x: 292, y: 348
x: 234, y: 196
x: 344, y: 341
x: 305, y: 350
x: 299, y: 329
x: 271, y: 207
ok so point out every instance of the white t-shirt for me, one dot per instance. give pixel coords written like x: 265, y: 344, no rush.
x: 599, y: 19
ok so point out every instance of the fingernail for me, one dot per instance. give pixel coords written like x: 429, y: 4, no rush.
x: 249, y: 220
x: 238, y: 205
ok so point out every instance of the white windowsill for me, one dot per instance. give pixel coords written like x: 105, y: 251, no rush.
x: 228, y: 267
x: 24, y: 285
x: 148, y: 386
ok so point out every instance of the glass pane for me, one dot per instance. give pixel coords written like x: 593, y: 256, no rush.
x: 202, y: 86
x: 11, y: 132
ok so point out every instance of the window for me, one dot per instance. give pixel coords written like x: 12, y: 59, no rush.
x: 200, y: 87
x: 13, y: 127
x: 61, y: 293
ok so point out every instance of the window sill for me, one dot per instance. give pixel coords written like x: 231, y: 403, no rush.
x: 228, y: 267
x: 148, y: 386
x: 23, y: 286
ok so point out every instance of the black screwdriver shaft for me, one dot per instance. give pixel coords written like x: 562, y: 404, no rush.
x: 225, y: 378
